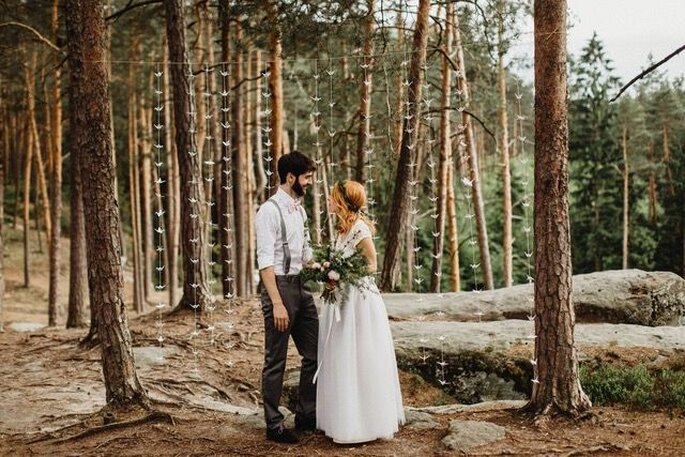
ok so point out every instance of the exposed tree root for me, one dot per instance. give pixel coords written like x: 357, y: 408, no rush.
x: 153, y: 416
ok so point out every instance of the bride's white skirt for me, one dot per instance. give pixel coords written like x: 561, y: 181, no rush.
x: 358, y: 388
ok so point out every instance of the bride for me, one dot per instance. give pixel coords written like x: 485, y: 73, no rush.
x: 358, y: 389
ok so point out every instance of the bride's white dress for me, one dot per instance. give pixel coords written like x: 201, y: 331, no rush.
x: 358, y: 394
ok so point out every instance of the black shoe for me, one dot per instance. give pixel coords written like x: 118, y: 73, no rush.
x: 305, y: 424
x: 281, y: 435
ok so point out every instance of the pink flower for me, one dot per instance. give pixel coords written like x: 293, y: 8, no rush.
x: 333, y: 275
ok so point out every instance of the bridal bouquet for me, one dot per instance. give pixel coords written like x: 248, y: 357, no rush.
x: 331, y: 268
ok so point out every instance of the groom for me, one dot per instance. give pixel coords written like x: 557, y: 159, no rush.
x: 289, y: 310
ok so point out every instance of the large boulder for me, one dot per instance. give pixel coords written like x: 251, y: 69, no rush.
x: 483, y: 361
x: 621, y: 296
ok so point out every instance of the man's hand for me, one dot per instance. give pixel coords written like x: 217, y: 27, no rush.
x: 281, y: 319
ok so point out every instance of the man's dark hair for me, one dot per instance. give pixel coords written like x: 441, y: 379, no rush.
x: 296, y: 163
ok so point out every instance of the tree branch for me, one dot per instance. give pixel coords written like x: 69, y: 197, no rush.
x: 648, y: 71
x: 129, y: 7
x: 34, y: 31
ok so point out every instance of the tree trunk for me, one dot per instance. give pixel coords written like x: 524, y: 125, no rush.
x: 55, y: 173
x: 172, y: 188
x: 26, y: 209
x: 3, y: 167
x: 366, y: 79
x: 400, y: 202
x: 147, y: 219
x: 241, y: 228
x: 91, y: 112
x: 276, y: 89
x: 556, y: 387
x: 474, y: 175
x: 445, y: 159
x: 455, y: 277
x: 507, y: 240
x: 626, y: 198
x: 248, y: 115
x: 651, y: 186
x: 78, y: 279
x: 195, y: 290
x: 134, y: 196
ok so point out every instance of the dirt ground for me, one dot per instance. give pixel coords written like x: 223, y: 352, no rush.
x: 51, y: 394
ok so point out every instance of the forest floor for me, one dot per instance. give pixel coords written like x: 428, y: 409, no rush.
x: 52, y: 394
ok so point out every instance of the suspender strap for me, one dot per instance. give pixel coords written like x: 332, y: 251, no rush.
x: 284, y: 237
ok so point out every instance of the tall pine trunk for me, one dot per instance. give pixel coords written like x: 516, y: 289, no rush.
x: 134, y: 197
x: 78, y: 279
x: 452, y: 234
x: 400, y: 203
x: 195, y: 288
x: 507, y: 237
x: 28, y: 160
x: 146, y: 180
x: 55, y: 172
x: 90, y: 104
x: 445, y: 158
x: 172, y: 187
x: 240, y: 191
x: 473, y: 164
x: 556, y: 388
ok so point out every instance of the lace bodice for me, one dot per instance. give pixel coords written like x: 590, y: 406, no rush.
x: 349, y: 241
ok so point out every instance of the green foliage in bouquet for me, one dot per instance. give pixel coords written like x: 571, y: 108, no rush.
x: 332, y: 268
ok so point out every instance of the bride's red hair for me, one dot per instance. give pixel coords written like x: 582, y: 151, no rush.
x: 350, y: 198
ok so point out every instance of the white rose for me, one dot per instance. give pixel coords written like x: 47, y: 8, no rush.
x: 316, y: 266
x: 326, y: 264
x: 333, y: 275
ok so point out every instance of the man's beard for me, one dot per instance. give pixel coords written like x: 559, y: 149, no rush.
x: 297, y: 188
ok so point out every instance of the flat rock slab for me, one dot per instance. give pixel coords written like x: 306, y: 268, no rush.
x: 454, y: 337
x: 465, y: 435
x: 26, y: 326
x: 420, y: 420
x: 620, y: 296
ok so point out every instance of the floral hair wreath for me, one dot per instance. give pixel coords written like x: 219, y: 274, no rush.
x: 348, y: 201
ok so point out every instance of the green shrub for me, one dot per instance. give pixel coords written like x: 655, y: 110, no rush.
x: 636, y: 387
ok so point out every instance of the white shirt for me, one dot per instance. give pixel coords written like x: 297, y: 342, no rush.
x: 269, y: 237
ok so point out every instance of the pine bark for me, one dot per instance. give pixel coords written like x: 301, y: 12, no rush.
x: 28, y: 160
x: 473, y: 164
x: 195, y: 288
x: 55, y: 172
x: 3, y: 166
x: 92, y: 114
x: 134, y: 198
x: 452, y: 234
x: 445, y: 157
x: 240, y: 191
x: 78, y: 279
x: 172, y: 188
x: 557, y: 386
x: 507, y: 237
x: 407, y: 157
x: 147, y: 217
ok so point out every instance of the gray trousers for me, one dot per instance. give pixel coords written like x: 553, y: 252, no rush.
x: 304, y: 328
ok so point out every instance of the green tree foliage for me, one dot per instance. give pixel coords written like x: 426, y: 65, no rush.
x: 595, y: 163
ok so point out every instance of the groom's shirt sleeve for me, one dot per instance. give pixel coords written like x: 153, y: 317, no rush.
x: 266, y: 229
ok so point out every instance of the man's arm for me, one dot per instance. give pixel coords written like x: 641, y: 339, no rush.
x: 281, y: 319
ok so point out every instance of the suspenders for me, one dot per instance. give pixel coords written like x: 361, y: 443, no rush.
x: 284, y: 237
